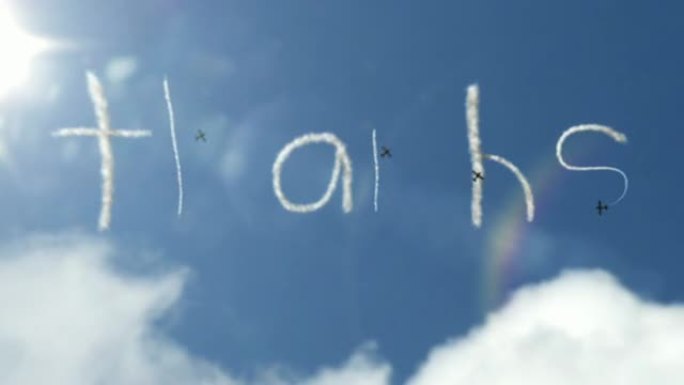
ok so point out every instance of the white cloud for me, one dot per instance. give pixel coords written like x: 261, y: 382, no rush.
x: 360, y: 369
x: 69, y: 317
x: 121, y: 69
x: 582, y: 328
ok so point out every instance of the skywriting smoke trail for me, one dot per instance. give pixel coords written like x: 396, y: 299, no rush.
x: 615, y: 135
x: 476, y: 155
x: 474, y: 145
x: 527, y: 190
x: 172, y: 126
x: 341, y: 161
x: 377, y: 172
x: 103, y: 132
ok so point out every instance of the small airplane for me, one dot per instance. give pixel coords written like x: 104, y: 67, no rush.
x: 477, y: 175
x: 385, y: 152
x: 200, y: 136
x: 600, y: 207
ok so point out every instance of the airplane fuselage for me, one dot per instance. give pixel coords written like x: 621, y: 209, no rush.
x: 477, y: 175
x: 601, y: 208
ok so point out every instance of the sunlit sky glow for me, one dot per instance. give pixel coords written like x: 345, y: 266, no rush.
x: 18, y: 51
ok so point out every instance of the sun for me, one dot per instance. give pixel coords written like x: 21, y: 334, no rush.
x: 18, y: 50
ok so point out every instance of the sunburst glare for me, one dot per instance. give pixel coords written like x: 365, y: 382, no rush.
x: 19, y: 48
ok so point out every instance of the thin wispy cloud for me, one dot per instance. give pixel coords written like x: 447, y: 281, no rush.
x: 615, y: 135
x: 342, y: 161
x: 103, y: 132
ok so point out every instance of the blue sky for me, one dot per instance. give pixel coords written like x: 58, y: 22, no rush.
x: 238, y: 290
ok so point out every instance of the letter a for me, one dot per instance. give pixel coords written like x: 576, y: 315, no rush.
x: 341, y: 161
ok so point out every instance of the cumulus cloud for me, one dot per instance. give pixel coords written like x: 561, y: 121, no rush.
x: 69, y: 317
x: 582, y: 328
x: 362, y: 368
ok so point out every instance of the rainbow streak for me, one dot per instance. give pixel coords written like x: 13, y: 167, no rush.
x: 505, y: 240
x: 509, y: 230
